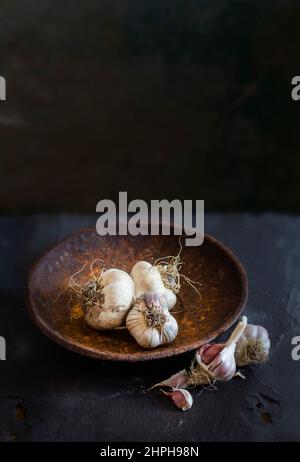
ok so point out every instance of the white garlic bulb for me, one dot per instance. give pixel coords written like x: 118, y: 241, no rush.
x: 253, y: 346
x: 108, y: 299
x: 147, y: 278
x: 150, y: 322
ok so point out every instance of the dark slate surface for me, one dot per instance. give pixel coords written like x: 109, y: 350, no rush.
x: 48, y: 393
x: 155, y: 87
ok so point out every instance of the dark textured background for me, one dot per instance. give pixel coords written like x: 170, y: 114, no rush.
x: 163, y: 99
x: 159, y: 98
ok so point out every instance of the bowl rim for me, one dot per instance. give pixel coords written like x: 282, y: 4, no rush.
x: 145, y: 355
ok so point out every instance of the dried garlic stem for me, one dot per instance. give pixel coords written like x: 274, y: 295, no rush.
x: 241, y: 326
x: 240, y: 374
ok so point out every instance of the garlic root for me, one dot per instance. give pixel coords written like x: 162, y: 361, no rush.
x: 200, y: 375
x: 253, y: 346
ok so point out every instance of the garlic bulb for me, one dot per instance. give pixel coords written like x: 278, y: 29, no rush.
x: 107, y: 299
x: 147, y: 278
x: 253, y: 346
x: 150, y: 322
x: 216, y: 361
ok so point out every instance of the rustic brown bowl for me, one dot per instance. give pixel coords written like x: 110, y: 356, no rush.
x: 223, y: 292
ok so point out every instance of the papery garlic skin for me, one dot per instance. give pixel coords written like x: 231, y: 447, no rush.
x: 117, y: 297
x: 178, y: 380
x: 147, y: 279
x: 118, y: 276
x: 253, y: 346
x: 150, y: 334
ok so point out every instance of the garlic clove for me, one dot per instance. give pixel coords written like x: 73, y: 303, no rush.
x: 178, y: 380
x: 117, y: 297
x: 114, y: 275
x: 147, y: 278
x: 207, y: 352
x: 223, y: 367
x: 216, y: 361
x: 181, y: 398
x: 170, y: 298
x: 155, y: 300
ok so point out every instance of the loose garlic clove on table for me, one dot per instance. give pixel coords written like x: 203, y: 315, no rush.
x: 216, y: 361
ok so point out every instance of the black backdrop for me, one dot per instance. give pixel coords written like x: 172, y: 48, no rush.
x: 163, y: 99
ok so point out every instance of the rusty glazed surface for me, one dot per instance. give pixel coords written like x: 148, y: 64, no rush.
x: 223, y: 292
